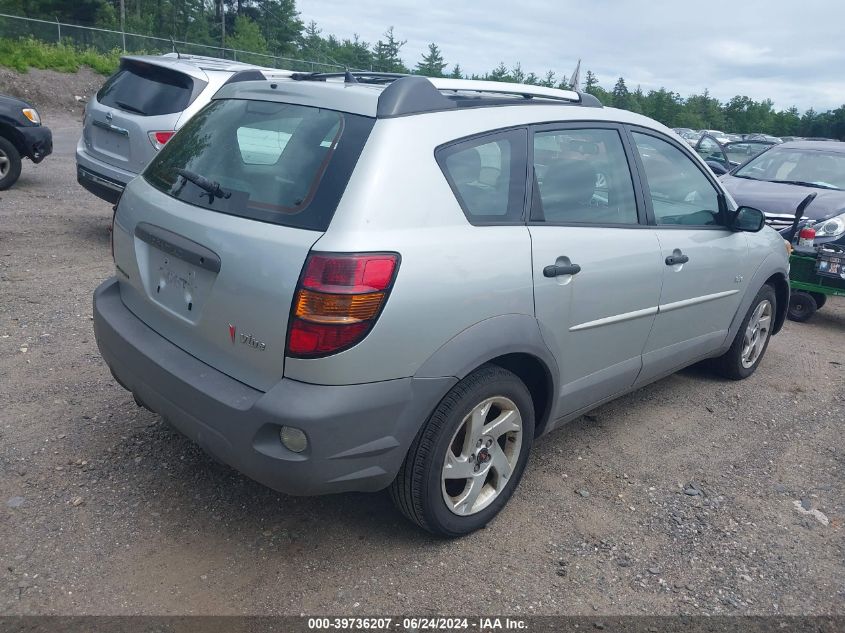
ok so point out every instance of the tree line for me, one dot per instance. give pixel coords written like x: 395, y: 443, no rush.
x: 274, y: 27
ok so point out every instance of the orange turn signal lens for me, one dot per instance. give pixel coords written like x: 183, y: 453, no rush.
x: 32, y: 115
x: 319, y: 307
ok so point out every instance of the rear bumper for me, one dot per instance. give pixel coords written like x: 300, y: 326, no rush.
x: 103, y: 180
x: 38, y: 142
x: 358, y: 435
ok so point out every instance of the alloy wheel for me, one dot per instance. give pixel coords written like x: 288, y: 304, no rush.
x: 756, y: 333
x: 482, y: 456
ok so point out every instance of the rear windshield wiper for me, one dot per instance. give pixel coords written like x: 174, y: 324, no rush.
x: 804, y: 183
x: 212, y: 187
x: 131, y: 108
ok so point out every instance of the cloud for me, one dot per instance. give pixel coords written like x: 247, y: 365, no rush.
x: 763, y: 49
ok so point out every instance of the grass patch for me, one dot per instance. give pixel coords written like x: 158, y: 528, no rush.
x: 25, y: 53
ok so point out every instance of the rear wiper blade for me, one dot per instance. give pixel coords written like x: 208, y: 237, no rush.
x: 131, y: 108
x: 212, y: 187
x: 804, y: 183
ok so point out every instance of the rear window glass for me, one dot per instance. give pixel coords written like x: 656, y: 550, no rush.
x: 147, y: 90
x: 274, y: 162
x: 487, y: 176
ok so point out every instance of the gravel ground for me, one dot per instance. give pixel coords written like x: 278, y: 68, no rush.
x: 690, y: 496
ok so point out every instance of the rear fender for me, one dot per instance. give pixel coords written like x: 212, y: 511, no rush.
x: 492, y: 339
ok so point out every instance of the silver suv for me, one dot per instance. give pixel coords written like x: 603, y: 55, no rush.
x: 364, y: 282
x: 140, y: 107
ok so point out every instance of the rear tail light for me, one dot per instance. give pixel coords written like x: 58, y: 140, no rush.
x: 158, y: 139
x: 338, y: 300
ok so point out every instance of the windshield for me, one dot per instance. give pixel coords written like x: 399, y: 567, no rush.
x: 269, y: 161
x: 810, y: 167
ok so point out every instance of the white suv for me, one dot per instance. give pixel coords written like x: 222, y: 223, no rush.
x: 140, y: 107
x: 365, y: 282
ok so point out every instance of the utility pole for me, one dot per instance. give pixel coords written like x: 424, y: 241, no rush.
x: 123, y: 22
x: 223, y: 25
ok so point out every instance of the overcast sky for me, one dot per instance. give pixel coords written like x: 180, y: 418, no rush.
x: 789, y: 51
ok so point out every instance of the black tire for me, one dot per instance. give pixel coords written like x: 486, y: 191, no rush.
x: 802, y: 306
x: 13, y: 169
x: 820, y: 299
x: 730, y: 364
x: 418, y: 490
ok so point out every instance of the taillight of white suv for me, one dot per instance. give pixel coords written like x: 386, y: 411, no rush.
x: 160, y: 138
x: 337, y: 302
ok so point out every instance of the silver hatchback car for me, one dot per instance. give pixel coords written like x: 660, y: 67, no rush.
x: 358, y: 282
x: 140, y: 107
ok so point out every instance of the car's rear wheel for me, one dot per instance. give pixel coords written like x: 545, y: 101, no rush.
x: 752, y: 339
x: 802, y: 305
x: 10, y: 164
x: 469, y: 457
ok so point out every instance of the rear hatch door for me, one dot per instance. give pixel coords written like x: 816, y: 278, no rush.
x: 142, y: 97
x: 215, y: 272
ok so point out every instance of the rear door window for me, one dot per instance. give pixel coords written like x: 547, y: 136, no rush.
x: 149, y: 90
x: 275, y: 162
x: 582, y: 177
x: 487, y: 175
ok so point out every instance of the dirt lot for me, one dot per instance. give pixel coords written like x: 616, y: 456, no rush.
x: 103, y: 510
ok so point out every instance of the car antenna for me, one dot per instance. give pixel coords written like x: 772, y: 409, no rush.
x: 175, y: 50
x: 349, y: 78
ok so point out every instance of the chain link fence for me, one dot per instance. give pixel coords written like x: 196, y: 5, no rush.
x: 106, y: 40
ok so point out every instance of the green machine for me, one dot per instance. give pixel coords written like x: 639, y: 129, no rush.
x: 815, y: 272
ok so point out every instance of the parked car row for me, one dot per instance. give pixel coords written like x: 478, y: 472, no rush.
x: 358, y: 281
x: 693, y: 136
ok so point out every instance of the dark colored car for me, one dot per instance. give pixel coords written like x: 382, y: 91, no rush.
x: 21, y: 135
x: 776, y: 181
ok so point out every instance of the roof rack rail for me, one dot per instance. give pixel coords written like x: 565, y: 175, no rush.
x: 209, y: 63
x: 414, y: 94
x: 350, y: 76
x: 500, y: 87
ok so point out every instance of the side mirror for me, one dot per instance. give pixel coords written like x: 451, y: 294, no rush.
x: 717, y: 167
x: 748, y: 219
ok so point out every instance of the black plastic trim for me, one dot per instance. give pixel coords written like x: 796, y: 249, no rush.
x: 102, y: 187
x: 411, y: 95
x: 245, y: 75
x: 178, y: 246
